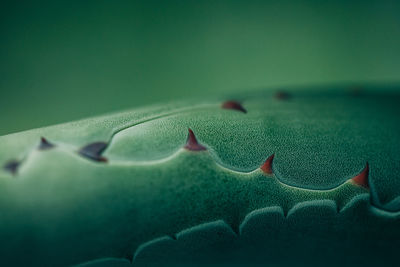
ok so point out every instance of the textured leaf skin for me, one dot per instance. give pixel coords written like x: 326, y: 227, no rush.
x: 153, y: 201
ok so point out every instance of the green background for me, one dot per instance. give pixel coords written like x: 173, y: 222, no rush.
x: 64, y: 60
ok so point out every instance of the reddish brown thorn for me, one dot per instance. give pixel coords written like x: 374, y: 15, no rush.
x: 282, y: 95
x: 93, y: 151
x: 192, y: 144
x: 103, y: 159
x: 44, y: 144
x: 362, y: 178
x: 12, y: 166
x: 234, y: 105
x: 267, y: 166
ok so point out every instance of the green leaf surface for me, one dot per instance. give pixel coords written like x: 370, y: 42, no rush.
x: 60, y: 207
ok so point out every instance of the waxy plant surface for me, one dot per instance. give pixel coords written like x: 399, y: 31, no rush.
x: 276, y: 177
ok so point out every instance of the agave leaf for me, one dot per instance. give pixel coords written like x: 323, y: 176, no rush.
x: 106, y: 186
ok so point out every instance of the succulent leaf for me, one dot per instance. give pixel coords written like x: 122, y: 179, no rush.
x: 158, y: 182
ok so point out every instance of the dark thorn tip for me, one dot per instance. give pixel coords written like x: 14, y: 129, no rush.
x: 192, y: 144
x: 361, y: 179
x: 267, y: 166
x: 102, y: 159
x: 45, y: 144
x: 93, y: 151
x: 234, y: 105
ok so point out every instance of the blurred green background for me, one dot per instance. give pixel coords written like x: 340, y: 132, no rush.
x: 64, y: 60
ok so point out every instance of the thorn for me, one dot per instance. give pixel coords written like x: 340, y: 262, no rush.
x: 282, y: 95
x: 12, y: 166
x: 267, y: 166
x: 234, y: 105
x: 192, y: 144
x: 44, y: 144
x: 362, y: 178
x: 102, y: 159
x: 93, y: 151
